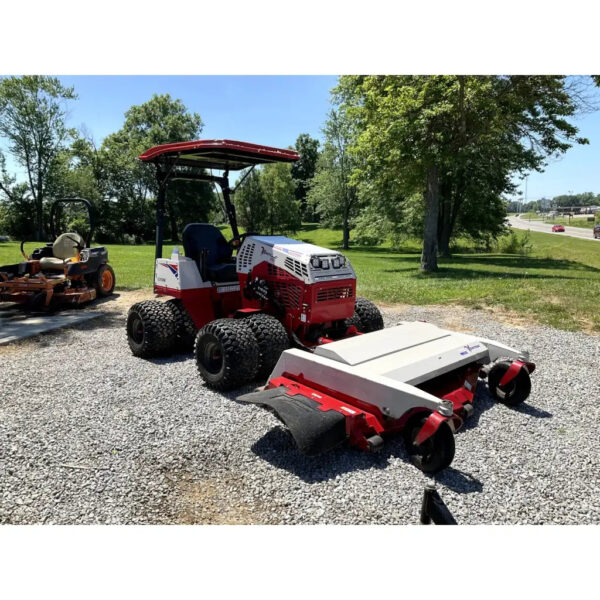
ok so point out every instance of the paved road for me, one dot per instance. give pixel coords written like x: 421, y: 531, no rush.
x: 578, y: 232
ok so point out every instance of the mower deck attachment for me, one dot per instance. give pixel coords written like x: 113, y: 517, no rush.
x: 415, y: 378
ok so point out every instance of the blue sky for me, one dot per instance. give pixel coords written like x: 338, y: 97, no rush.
x: 271, y: 110
x: 274, y: 110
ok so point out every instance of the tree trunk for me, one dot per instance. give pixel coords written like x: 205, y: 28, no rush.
x: 39, y: 220
x: 346, y: 231
x: 432, y: 207
x: 445, y: 218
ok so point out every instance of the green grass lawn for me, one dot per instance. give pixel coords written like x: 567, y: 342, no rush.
x: 558, y: 284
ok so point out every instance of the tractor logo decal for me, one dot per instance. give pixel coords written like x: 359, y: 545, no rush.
x: 469, y: 349
x: 173, y: 268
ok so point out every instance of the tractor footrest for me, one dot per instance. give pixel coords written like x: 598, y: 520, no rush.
x: 314, y: 430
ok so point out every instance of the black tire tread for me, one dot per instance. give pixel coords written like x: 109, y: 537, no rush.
x: 368, y: 314
x: 98, y: 281
x: 240, y: 353
x: 443, y: 439
x: 522, y: 382
x: 185, y: 328
x: 272, y: 340
x: 159, y: 328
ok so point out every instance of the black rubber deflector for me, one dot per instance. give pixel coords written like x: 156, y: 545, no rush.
x: 315, y: 431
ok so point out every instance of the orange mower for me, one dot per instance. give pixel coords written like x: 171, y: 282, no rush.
x: 64, y: 271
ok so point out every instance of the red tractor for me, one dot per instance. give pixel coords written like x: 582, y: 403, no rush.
x: 249, y: 308
x: 241, y: 314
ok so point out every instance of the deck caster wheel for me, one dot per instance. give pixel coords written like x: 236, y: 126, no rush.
x: 226, y: 354
x: 150, y: 329
x: 435, y: 453
x: 517, y: 390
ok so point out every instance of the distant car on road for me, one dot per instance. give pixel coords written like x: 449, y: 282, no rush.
x: 597, y: 231
x: 558, y: 228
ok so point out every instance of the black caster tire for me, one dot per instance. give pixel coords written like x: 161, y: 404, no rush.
x: 435, y: 453
x: 226, y: 353
x: 514, y: 392
x: 150, y: 329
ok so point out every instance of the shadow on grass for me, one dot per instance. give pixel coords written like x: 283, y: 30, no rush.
x: 516, y: 267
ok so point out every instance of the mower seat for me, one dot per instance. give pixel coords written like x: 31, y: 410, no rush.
x: 199, y: 238
x: 63, y: 249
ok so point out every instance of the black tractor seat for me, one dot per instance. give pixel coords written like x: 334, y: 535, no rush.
x: 205, y: 244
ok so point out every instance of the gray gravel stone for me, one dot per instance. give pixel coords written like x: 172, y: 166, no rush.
x: 90, y: 434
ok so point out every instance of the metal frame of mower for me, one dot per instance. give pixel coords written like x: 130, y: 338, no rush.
x: 241, y: 315
x: 44, y: 279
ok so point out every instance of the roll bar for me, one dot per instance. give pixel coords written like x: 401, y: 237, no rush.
x: 189, y: 160
x: 90, y: 212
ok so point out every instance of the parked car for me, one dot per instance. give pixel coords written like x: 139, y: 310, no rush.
x: 557, y: 228
x: 597, y: 231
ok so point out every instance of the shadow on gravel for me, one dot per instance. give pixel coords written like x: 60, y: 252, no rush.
x: 167, y: 360
x: 460, y: 482
x: 277, y: 447
x: 484, y: 401
x: 532, y: 411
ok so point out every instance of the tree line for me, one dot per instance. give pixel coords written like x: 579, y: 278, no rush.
x: 430, y: 156
x: 585, y: 199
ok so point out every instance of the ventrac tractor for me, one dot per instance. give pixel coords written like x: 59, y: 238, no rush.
x: 268, y: 307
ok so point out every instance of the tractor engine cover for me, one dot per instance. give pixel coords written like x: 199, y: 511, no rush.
x: 309, y: 283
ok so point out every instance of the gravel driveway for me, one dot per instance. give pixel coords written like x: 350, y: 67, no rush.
x: 90, y: 434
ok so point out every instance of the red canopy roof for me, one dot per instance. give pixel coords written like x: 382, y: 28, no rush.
x: 218, y: 154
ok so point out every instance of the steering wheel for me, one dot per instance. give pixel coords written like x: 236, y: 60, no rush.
x: 235, y: 244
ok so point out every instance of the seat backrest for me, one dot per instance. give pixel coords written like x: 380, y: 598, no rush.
x: 202, y: 236
x: 65, y: 245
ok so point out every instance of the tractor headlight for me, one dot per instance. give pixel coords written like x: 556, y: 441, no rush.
x: 84, y: 256
x: 324, y: 263
x: 315, y: 262
x: 335, y: 263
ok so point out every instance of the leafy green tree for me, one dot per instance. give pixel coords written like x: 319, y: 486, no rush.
x: 332, y: 195
x: 457, y: 140
x: 265, y: 200
x: 303, y: 170
x: 33, y: 111
x: 132, y: 184
x: 252, y: 210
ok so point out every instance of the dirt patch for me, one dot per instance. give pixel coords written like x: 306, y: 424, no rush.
x: 205, y: 503
x: 121, y: 301
x: 458, y: 318
x: 450, y: 317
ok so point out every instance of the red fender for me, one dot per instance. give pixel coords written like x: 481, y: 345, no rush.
x: 513, y: 371
x: 432, y: 424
